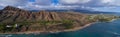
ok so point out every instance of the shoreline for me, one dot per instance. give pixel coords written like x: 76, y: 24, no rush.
x: 40, y: 32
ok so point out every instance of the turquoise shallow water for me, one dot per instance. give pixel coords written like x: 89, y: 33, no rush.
x: 111, y: 29
x: 95, y: 30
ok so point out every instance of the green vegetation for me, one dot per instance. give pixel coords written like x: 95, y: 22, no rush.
x: 11, y: 26
x: 65, y: 23
x: 2, y: 27
x: 68, y: 24
x: 102, y: 18
x: 49, y: 22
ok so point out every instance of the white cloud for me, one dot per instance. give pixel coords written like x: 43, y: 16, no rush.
x: 116, y: 2
x: 13, y: 2
x: 63, y: 4
x: 74, y: 1
x: 43, y: 2
x: 2, y: 5
x: 38, y: 7
x: 107, y: 1
x: 111, y: 2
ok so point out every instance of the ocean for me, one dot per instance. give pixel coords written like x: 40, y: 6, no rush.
x: 99, y: 29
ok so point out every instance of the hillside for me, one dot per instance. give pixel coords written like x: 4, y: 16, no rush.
x: 14, y: 20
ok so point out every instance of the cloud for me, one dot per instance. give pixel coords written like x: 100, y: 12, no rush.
x: 107, y: 1
x: 42, y: 7
x: 13, y: 2
x: 43, y: 2
x: 3, y: 5
x: 110, y: 2
x: 100, y: 3
x: 106, y: 9
x: 74, y: 1
x: 62, y: 4
x: 115, y: 2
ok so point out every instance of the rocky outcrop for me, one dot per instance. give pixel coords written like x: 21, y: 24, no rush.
x: 41, y: 21
x: 48, y: 16
x: 11, y: 8
x: 16, y: 14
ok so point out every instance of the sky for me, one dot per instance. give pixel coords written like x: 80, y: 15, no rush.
x: 93, y: 5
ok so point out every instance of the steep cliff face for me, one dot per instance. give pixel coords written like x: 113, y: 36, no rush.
x: 48, y: 16
x: 41, y: 21
x: 11, y: 14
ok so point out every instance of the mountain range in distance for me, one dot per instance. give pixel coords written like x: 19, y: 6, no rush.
x: 78, y: 10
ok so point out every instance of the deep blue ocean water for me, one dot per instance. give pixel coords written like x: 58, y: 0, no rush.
x: 111, y: 29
